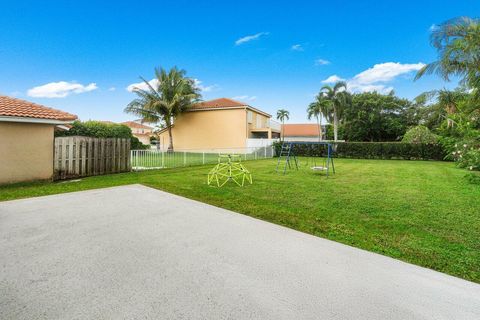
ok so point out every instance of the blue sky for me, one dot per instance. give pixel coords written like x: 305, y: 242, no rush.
x: 81, y: 58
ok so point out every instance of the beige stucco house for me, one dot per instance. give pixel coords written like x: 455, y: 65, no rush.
x: 140, y: 130
x: 26, y: 139
x: 220, y: 124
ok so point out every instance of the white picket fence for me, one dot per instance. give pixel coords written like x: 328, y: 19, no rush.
x: 159, y: 159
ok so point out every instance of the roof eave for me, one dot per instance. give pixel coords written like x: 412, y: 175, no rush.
x: 34, y: 120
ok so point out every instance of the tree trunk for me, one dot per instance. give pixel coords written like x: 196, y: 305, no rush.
x: 282, y: 132
x: 335, y: 125
x: 170, y: 144
x: 319, y: 129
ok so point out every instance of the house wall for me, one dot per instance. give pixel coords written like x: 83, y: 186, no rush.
x: 26, y: 151
x: 217, y: 129
x: 256, y: 121
x: 144, y: 138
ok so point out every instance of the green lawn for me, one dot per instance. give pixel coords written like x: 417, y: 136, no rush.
x: 421, y: 212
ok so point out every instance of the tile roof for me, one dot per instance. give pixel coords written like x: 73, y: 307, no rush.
x: 218, y: 103
x: 224, y: 103
x: 300, y: 130
x: 133, y: 124
x: 13, y: 107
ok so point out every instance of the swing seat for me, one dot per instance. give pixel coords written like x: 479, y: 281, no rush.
x: 320, y: 168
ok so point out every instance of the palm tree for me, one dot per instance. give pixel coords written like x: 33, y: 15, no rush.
x: 318, y: 109
x: 447, y: 100
x: 458, y: 44
x: 283, y: 114
x: 339, y: 99
x: 165, y: 98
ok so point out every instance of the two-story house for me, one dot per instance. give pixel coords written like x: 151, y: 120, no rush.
x: 140, y: 130
x: 219, y: 124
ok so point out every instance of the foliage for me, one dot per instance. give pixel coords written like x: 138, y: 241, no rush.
x: 467, y: 155
x: 171, y: 94
x: 458, y: 43
x: 422, y: 212
x: 373, y: 150
x: 317, y: 110
x: 283, y: 115
x: 100, y: 129
x: 335, y: 101
x: 420, y: 134
x: 377, y: 117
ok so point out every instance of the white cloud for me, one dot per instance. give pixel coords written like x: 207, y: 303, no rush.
x: 380, y: 88
x: 203, y: 88
x: 142, y: 85
x: 332, y: 79
x: 321, y: 62
x: 154, y: 83
x: 60, y: 89
x: 112, y: 89
x: 245, y: 98
x: 384, y: 72
x: 297, y: 47
x: 377, y: 77
x: 250, y: 38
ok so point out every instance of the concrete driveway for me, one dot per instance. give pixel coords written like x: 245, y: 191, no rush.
x: 137, y: 253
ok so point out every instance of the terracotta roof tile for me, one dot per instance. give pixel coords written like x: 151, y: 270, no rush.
x: 300, y: 130
x: 218, y: 103
x: 223, y: 103
x: 133, y: 124
x: 12, y: 107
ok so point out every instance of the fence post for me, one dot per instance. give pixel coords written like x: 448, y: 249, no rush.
x: 265, y: 152
x: 203, y: 157
x: 184, y: 158
x: 163, y: 159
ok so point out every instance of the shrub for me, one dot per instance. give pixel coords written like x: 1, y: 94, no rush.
x: 420, y: 134
x: 374, y: 150
x: 467, y: 155
x: 99, y: 129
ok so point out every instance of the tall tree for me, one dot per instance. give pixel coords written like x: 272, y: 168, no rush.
x: 376, y: 117
x: 458, y: 45
x: 339, y: 99
x: 318, y: 109
x: 283, y: 115
x: 446, y: 100
x: 165, y: 98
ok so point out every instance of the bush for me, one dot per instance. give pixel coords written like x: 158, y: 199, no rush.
x: 99, y: 129
x: 467, y: 155
x: 420, y: 134
x: 374, y: 150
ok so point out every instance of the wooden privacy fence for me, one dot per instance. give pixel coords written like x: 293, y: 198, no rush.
x: 78, y: 156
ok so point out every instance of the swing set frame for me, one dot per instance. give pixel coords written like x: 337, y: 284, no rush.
x: 288, y: 154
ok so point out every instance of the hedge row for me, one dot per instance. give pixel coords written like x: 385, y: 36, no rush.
x: 374, y: 150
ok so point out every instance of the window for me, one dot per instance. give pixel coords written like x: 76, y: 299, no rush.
x: 259, y: 121
x: 250, y: 116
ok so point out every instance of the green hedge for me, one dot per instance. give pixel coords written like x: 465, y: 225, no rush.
x: 99, y: 129
x: 374, y: 150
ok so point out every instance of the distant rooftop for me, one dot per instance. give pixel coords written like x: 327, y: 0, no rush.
x: 224, y: 103
x: 300, y: 130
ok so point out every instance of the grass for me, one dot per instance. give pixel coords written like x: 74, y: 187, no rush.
x: 421, y: 212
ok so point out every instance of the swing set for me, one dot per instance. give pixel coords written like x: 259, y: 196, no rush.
x: 287, y: 155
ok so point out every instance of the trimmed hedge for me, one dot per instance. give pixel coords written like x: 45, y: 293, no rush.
x: 374, y: 150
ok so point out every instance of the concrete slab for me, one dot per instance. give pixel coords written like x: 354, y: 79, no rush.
x: 137, y: 253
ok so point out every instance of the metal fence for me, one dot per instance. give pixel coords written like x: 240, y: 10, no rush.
x: 158, y: 159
